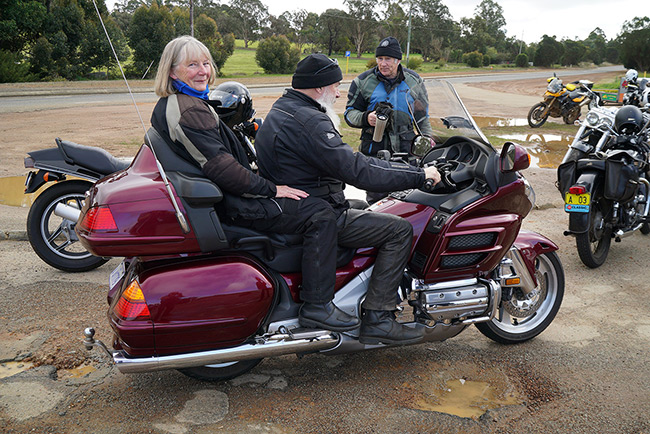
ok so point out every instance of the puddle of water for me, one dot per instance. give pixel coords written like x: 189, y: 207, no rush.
x: 9, y: 369
x: 12, y: 192
x: 486, y: 121
x: 466, y: 399
x: 79, y: 371
x: 546, y: 150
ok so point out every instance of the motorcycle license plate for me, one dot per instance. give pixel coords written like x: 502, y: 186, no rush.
x: 116, y: 275
x: 577, y: 202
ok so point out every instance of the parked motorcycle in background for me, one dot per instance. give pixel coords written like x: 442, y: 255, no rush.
x: 637, y: 91
x: 563, y: 101
x: 604, y: 180
x: 68, y: 170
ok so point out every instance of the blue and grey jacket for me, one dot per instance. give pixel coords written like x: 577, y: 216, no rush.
x: 369, y: 89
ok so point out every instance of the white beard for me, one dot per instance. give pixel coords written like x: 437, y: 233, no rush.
x: 327, y: 102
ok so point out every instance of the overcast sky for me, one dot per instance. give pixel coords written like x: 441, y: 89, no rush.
x: 525, y: 19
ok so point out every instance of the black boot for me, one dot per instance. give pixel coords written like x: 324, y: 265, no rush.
x: 380, y: 327
x: 326, y: 316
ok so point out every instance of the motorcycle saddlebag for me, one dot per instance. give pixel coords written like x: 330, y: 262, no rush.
x: 566, y: 176
x: 621, y: 180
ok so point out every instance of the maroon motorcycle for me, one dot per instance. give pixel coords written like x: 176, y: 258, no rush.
x: 212, y: 299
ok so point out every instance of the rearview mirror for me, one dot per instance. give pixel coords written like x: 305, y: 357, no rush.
x: 514, y: 158
x: 420, y: 145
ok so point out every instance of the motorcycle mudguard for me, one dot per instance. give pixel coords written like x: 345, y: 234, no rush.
x: 579, y: 221
x: 531, y: 244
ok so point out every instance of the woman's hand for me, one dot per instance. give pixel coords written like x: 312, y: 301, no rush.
x: 290, y: 193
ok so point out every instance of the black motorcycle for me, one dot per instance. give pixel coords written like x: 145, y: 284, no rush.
x: 604, y: 180
x: 69, y: 170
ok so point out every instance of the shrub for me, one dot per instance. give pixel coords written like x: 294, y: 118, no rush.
x: 371, y: 63
x: 414, y: 63
x: 275, y: 55
x: 522, y: 60
x: 12, y: 68
x: 473, y: 59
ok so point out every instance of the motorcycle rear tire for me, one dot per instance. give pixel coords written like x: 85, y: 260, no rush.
x: 537, y: 115
x: 506, y: 328
x: 593, y: 245
x: 220, y: 372
x: 46, y: 231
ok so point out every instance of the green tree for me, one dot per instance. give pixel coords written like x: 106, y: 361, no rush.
x: 332, y: 24
x: 596, y: 44
x: 276, y: 56
x: 394, y: 21
x: 522, y: 60
x: 435, y: 29
x: 363, y: 25
x: 574, y: 52
x: 634, y: 49
x: 150, y: 30
x: 21, y: 23
x: 13, y: 67
x: 549, y: 51
x: 249, y: 18
x: 221, y: 47
x: 473, y: 59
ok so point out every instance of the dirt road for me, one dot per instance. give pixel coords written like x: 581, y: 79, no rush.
x: 587, y: 373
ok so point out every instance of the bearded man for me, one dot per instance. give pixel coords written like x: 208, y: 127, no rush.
x: 299, y: 145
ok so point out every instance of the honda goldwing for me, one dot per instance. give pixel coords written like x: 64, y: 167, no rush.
x: 212, y: 299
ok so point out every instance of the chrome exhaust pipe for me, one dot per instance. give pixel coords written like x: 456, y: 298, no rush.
x: 274, y: 345
x: 67, y: 212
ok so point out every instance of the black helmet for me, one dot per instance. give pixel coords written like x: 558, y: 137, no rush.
x: 628, y: 120
x: 233, y: 103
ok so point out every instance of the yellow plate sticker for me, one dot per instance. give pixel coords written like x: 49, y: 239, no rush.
x: 577, y: 202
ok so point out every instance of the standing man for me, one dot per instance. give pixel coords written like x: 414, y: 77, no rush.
x: 384, y: 90
x: 299, y: 145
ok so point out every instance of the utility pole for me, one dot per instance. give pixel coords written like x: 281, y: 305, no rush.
x: 408, y: 37
x: 192, y: 18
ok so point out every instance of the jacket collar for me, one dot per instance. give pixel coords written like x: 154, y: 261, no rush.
x: 294, y: 94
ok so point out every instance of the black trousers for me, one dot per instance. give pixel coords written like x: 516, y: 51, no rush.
x: 324, y: 229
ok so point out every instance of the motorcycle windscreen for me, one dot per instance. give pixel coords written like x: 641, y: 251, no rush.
x: 446, y: 116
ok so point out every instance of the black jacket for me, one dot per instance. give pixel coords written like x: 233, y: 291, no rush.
x: 192, y: 129
x: 299, y: 146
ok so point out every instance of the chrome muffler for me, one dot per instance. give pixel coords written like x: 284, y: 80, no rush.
x: 275, y: 345
x: 67, y: 212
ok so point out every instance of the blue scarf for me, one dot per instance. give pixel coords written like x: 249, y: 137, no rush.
x: 187, y: 90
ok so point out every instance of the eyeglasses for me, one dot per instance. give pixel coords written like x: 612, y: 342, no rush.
x: 334, y: 62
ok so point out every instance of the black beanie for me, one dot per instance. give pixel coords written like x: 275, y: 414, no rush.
x: 389, y: 47
x: 316, y: 70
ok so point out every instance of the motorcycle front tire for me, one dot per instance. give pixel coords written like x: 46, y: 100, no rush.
x: 52, y: 237
x: 538, y: 312
x: 537, y: 115
x: 221, y: 371
x: 593, y: 245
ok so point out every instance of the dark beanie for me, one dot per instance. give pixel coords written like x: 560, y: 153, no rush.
x: 389, y: 47
x: 316, y: 70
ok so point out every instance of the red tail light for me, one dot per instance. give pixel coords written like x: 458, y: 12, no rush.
x: 577, y: 189
x: 99, y: 219
x: 132, y: 304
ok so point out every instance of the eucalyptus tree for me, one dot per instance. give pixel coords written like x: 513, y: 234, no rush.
x: 363, y: 23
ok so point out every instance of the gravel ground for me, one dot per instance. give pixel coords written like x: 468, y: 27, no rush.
x: 587, y: 373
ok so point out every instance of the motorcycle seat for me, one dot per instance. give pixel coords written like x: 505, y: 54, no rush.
x: 96, y: 159
x: 280, y: 252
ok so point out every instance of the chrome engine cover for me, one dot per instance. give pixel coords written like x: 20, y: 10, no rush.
x: 452, y: 301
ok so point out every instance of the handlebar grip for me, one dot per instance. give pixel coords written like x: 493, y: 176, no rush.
x: 428, y: 185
